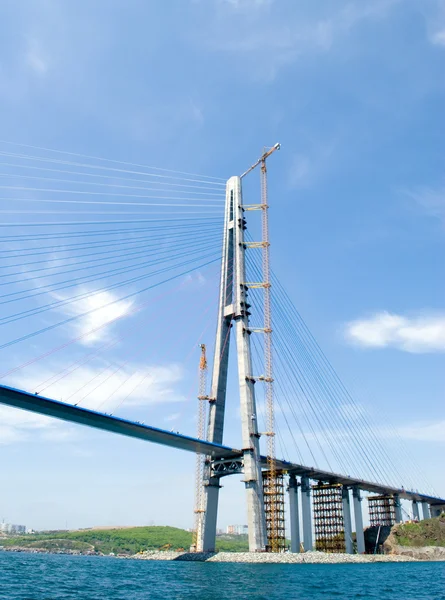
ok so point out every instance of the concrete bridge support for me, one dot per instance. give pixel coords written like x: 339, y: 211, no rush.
x: 426, y: 510
x: 437, y: 509
x: 397, y: 509
x: 358, y: 515
x: 347, y: 520
x: 416, y: 515
x: 294, y: 515
x: 207, y: 540
x: 306, y: 513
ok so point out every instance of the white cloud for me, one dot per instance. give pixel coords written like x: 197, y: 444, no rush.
x: 308, y: 166
x: 9, y: 435
x: 103, y: 311
x: 18, y: 425
x: 246, y: 5
x: 424, y: 432
x: 416, y: 334
x: 105, y: 387
x: 35, y: 58
x: 172, y: 417
x: 438, y: 38
x: 299, y: 171
x: 262, y: 29
x: 431, y: 200
x: 95, y: 314
x: 196, y: 112
x: 100, y: 388
x: 195, y: 279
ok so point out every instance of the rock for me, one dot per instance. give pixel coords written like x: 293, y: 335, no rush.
x: 263, y: 557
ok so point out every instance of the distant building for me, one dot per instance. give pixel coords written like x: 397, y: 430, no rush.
x: 12, y: 529
x: 236, y: 529
x: 21, y: 529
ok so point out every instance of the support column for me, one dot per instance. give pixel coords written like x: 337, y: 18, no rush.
x: 416, y: 515
x: 426, y: 510
x: 306, y: 513
x: 358, y: 515
x: 249, y: 423
x: 211, y: 491
x: 397, y: 509
x: 347, y: 520
x: 294, y: 515
x: 215, y: 428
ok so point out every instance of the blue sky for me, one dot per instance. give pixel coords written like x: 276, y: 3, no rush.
x: 354, y: 92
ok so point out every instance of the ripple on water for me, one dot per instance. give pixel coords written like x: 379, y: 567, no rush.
x: 47, y: 577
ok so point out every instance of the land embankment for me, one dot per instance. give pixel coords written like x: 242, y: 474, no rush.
x: 404, y: 542
x: 424, y: 540
x: 263, y: 557
x: 119, y: 541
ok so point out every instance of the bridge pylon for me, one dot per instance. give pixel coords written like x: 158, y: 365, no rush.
x: 233, y: 313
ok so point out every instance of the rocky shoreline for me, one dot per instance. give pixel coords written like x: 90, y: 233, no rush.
x: 285, y: 558
x: 403, y: 554
x: 67, y: 551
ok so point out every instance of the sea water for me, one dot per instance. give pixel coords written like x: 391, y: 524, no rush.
x: 59, y: 577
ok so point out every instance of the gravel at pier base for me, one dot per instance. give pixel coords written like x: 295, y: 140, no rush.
x: 263, y: 557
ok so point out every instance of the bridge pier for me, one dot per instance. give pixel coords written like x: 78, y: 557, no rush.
x: 415, y: 506
x: 358, y: 516
x: 397, y: 509
x: 294, y: 515
x: 426, y: 510
x: 207, y: 542
x: 347, y: 520
x: 306, y: 513
x: 437, y: 509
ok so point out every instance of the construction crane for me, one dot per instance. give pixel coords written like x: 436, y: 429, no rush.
x: 272, y: 480
x: 202, y: 411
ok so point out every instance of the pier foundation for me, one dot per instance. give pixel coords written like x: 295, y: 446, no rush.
x: 426, y: 510
x: 349, y: 545
x: 306, y: 513
x: 294, y: 514
x: 358, y: 516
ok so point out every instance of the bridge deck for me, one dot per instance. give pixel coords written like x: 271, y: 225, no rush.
x: 74, y: 414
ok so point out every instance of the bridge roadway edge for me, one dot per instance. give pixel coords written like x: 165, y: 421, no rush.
x: 74, y: 414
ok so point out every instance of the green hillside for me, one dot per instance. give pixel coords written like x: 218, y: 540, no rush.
x: 430, y: 532
x: 121, y: 541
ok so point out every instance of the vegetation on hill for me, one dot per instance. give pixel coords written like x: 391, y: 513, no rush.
x: 430, y: 532
x: 121, y: 541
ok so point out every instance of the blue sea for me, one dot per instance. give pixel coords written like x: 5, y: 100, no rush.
x: 59, y: 577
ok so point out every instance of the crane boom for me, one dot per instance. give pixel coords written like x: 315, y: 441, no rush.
x: 199, y: 476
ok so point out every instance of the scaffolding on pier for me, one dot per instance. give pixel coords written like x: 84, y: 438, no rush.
x: 382, y: 510
x: 328, y: 518
x: 273, y: 492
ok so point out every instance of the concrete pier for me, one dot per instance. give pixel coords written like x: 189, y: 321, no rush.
x: 347, y: 520
x: 397, y: 509
x: 416, y: 515
x: 426, y: 510
x: 358, y: 516
x: 294, y: 515
x: 306, y: 513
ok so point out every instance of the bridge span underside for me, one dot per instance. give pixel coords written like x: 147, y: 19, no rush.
x: 67, y: 412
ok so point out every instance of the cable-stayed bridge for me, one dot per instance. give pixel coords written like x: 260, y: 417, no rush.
x: 89, y: 277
